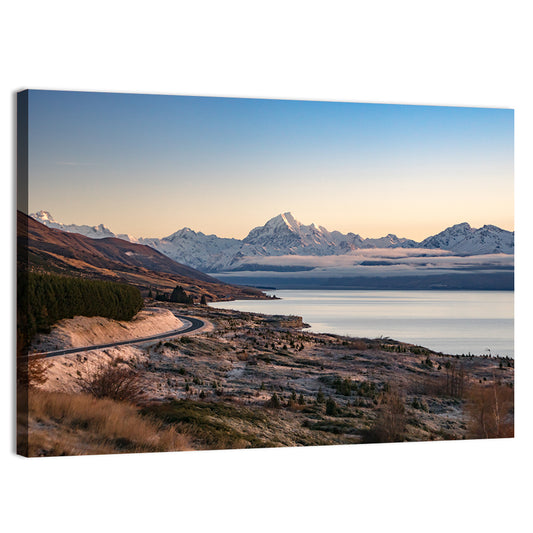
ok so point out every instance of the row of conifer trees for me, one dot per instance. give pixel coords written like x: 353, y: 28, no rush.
x: 43, y: 299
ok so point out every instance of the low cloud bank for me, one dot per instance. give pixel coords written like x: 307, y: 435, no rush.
x: 375, y: 262
x: 378, y: 269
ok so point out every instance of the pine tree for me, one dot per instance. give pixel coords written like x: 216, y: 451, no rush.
x: 331, y: 407
x: 180, y: 296
x: 274, y: 402
x: 320, y: 398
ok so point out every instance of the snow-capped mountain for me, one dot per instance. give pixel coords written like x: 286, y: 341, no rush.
x: 94, y: 232
x: 284, y: 235
x: 465, y: 240
x: 196, y: 248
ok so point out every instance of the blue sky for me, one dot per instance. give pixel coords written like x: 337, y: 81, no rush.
x: 150, y: 164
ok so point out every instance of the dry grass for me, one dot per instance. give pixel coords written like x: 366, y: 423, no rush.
x: 78, y: 424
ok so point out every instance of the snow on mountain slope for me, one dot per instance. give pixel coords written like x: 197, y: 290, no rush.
x: 389, y: 241
x: 94, y: 232
x: 283, y: 235
x: 195, y: 248
x: 463, y: 239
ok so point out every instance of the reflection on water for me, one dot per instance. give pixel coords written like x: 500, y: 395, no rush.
x: 479, y: 322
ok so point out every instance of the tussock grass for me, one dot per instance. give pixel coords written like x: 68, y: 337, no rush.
x: 78, y: 424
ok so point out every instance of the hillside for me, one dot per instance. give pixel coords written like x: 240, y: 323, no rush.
x: 49, y: 249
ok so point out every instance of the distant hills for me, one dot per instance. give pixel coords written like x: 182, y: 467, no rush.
x: 107, y: 257
x: 284, y: 235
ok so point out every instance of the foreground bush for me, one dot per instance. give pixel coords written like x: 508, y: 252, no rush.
x: 117, y: 382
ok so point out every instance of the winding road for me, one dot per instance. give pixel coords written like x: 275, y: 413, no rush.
x: 190, y: 324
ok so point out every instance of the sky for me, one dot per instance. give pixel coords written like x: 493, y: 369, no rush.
x: 148, y: 165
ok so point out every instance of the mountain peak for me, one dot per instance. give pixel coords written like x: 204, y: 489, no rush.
x: 290, y: 220
x: 461, y: 226
x: 283, y: 219
x: 184, y: 233
x: 463, y: 239
x: 94, y: 232
x: 43, y: 216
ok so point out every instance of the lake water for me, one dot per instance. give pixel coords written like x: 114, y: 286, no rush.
x: 454, y: 322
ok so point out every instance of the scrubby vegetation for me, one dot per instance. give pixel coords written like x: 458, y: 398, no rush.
x: 115, y: 381
x: 73, y: 424
x: 211, y: 424
x: 257, y: 382
x: 491, y: 412
x: 43, y: 299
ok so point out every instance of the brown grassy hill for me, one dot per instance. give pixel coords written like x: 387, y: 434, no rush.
x: 49, y: 249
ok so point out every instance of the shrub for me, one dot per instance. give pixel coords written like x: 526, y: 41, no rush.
x: 331, y: 407
x: 390, y: 423
x: 320, y: 398
x: 491, y: 412
x: 274, y: 402
x: 344, y: 386
x: 120, y: 383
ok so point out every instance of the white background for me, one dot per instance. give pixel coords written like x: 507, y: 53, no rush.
x: 453, y: 53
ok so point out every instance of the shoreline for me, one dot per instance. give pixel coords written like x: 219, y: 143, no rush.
x: 258, y: 381
x: 466, y: 351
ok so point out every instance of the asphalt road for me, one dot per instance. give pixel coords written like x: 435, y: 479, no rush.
x: 189, y: 324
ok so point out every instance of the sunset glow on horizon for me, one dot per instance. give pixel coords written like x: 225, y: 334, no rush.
x: 148, y: 165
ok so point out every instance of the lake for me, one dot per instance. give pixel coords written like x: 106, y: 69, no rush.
x: 454, y: 322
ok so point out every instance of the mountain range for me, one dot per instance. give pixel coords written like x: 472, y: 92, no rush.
x: 110, y: 258
x: 284, y: 235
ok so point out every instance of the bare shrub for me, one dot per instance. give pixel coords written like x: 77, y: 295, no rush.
x: 490, y: 411
x: 358, y: 345
x: 242, y: 356
x: 390, y: 423
x: 117, y: 382
x: 452, y: 385
x: 455, y: 380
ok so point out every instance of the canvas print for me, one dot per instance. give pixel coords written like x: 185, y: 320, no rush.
x: 199, y: 273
